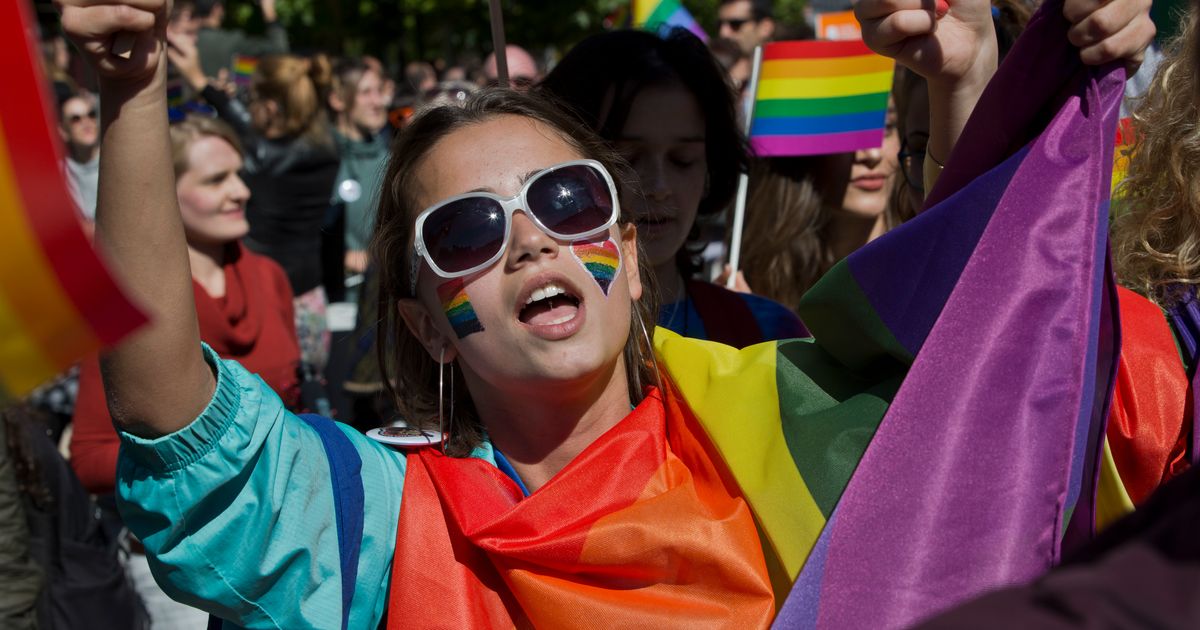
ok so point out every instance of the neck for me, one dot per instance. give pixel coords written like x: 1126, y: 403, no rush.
x: 350, y: 131
x: 208, y: 267
x: 83, y: 154
x: 542, y: 430
x: 848, y: 232
x: 671, y: 287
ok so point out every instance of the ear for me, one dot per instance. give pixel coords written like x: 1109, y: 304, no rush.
x: 63, y: 134
x: 629, y: 260
x: 766, y: 29
x: 336, y: 103
x: 422, y: 326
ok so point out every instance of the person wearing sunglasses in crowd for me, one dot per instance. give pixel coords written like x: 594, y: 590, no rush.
x: 750, y: 23
x: 80, y: 131
x: 509, y: 265
x: 664, y: 104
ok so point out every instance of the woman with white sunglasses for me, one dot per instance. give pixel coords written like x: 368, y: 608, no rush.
x: 569, y: 481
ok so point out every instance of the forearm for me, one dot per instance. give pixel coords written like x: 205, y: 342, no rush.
x: 157, y: 381
x: 952, y: 101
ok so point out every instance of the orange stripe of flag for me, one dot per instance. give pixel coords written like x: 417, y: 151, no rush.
x: 830, y: 67
x: 31, y: 288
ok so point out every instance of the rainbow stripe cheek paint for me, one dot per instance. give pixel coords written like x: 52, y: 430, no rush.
x: 457, y: 306
x: 602, y: 259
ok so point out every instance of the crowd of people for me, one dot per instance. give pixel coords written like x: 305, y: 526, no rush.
x: 529, y: 259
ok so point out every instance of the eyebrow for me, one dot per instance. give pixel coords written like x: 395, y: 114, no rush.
x: 624, y: 138
x: 524, y: 178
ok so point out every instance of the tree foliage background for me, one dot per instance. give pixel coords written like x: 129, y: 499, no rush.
x: 453, y: 30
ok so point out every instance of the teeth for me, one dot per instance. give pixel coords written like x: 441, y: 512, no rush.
x: 542, y: 293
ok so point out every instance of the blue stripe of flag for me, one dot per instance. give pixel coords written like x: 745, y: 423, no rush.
x: 796, y: 126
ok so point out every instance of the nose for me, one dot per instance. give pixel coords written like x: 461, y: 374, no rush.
x: 528, y: 243
x: 239, y: 192
x: 869, y: 157
x: 654, y: 181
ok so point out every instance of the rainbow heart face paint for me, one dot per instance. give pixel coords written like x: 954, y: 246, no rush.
x: 602, y: 259
x: 458, y: 308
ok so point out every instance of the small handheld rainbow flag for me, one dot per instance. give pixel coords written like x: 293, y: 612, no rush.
x: 1124, y: 151
x: 57, y: 301
x: 243, y: 69
x: 816, y: 97
x: 661, y: 16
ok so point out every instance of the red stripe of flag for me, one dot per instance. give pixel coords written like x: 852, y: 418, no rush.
x: 37, y: 167
x: 815, y: 49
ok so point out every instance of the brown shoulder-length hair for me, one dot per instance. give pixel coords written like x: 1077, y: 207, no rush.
x: 1157, y: 235
x: 409, y: 373
x: 299, y: 86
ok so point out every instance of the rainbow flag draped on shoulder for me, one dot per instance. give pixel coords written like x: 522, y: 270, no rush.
x: 57, y: 301
x: 938, y: 437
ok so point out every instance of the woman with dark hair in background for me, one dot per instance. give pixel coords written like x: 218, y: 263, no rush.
x: 665, y: 105
x: 291, y: 164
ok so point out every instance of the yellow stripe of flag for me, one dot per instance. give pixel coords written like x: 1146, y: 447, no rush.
x: 23, y: 365
x: 733, y: 394
x: 825, y: 87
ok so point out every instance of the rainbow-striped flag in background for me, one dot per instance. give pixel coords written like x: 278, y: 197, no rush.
x: 1124, y: 151
x: 57, y: 301
x: 663, y: 15
x: 817, y: 97
x: 243, y: 69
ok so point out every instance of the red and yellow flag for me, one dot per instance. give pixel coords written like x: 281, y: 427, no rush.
x: 57, y: 300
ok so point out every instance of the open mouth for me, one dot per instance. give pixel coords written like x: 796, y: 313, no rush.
x: 549, y: 305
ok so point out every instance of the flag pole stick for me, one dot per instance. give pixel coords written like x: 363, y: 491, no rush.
x: 498, y: 43
x: 739, y: 209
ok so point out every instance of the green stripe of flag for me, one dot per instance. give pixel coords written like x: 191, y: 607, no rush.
x: 661, y: 13
x: 829, y: 416
x: 782, y: 108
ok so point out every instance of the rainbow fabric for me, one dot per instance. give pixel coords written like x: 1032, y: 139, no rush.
x: 243, y: 69
x: 661, y: 16
x: 458, y: 308
x: 601, y: 259
x: 57, y: 301
x: 1123, y: 152
x: 1015, y: 351
x: 817, y: 97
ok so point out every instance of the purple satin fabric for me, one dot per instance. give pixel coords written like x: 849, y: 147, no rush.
x: 974, y: 472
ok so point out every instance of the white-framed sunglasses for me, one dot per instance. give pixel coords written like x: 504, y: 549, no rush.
x: 466, y: 233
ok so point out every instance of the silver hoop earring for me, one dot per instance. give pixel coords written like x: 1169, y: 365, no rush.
x: 653, y: 356
x: 442, y: 397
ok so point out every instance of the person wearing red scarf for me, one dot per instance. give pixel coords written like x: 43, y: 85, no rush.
x: 243, y: 300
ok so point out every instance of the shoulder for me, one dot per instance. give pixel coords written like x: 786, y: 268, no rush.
x: 267, y: 270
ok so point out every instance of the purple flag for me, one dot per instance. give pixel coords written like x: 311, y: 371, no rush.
x: 974, y: 474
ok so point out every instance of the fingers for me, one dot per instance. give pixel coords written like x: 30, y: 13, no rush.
x: 890, y: 31
x: 103, y: 21
x: 1128, y: 44
x: 876, y: 9
x: 1102, y: 21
